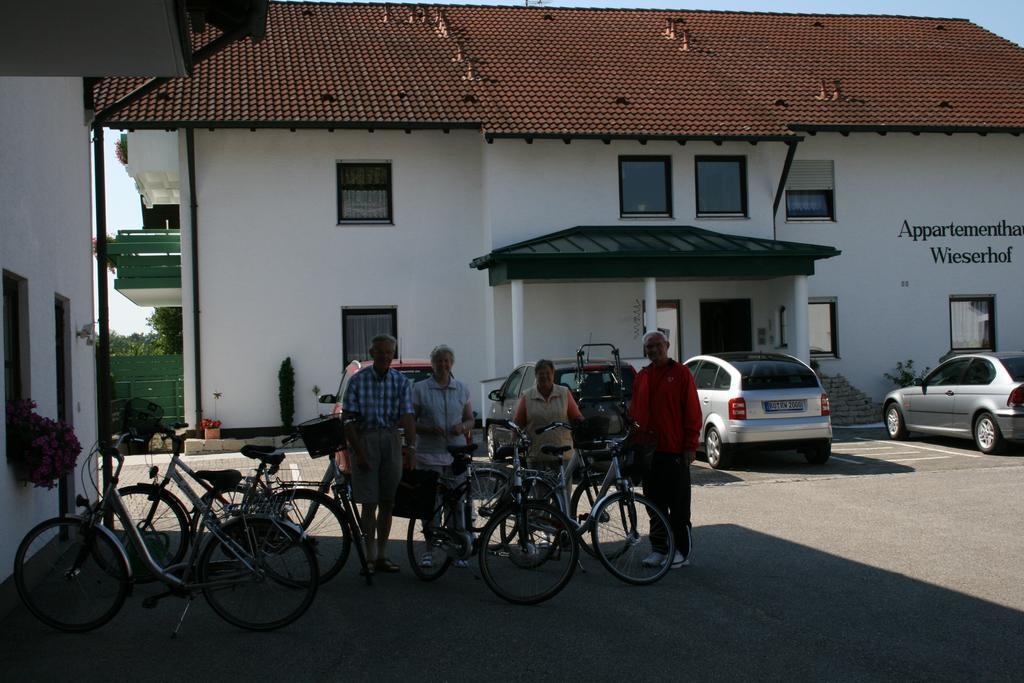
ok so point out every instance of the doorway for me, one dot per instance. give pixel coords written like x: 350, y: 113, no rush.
x: 725, y: 326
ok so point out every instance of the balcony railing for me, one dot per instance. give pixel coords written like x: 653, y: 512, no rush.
x: 148, y: 264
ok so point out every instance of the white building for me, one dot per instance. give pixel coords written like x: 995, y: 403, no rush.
x: 820, y: 185
x: 46, y: 199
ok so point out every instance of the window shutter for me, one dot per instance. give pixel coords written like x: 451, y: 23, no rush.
x: 811, y: 175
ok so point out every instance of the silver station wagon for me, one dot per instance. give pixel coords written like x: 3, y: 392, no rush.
x: 760, y: 400
x: 976, y: 396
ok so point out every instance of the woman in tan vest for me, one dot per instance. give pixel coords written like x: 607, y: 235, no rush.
x: 539, y: 406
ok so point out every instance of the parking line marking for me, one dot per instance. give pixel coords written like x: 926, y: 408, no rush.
x: 928, y: 448
x: 852, y: 462
x: 927, y: 457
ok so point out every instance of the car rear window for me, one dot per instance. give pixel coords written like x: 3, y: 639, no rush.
x: 774, y: 374
x: 1015, y: 366
x: 415, y: 374
x: 597, y: 383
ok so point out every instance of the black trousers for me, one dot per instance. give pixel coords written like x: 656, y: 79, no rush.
x: 667, y: 484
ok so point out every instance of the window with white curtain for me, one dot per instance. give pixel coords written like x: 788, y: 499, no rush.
x: 364, y: 192
x: 360, y: 325
x: 810, y: 191
x: 821, y: 320
x: 972, y: 323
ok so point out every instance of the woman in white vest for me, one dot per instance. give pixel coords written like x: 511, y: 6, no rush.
x: 539, y: 406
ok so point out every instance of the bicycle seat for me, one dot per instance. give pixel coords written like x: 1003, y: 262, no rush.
x: 267, y: 454
x: 468, y: 449
x: 554, y: 450
x: 220, y: 480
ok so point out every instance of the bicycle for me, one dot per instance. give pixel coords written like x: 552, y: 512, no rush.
x: 73, y: 572
x: 527, y: 552
x: 609, y: 517
x: 330, y: 524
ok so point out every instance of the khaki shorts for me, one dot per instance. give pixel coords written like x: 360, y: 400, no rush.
x: 383, y: 448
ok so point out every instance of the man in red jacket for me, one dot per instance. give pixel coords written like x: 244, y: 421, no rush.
x: 665, y: 404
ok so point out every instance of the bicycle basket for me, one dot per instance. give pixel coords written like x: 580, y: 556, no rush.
x: 323, y: 435
x: 590, y: 429
x: 141, y: 417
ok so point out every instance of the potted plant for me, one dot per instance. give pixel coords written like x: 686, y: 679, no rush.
x: 42, y: 450
x: 211, y: 428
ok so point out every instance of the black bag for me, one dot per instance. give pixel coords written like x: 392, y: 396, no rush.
x: 638, y: 454
x: 416, y: 497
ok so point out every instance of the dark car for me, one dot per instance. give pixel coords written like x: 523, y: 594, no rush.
x: 594, y: 386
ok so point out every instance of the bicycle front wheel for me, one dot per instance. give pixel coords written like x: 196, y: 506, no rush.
x: 486, y: 489
x: 321, y: 518
x: 259, y: 574
x: 621, y: 537
x: 71, y: 576
x: 162, y: 522
x: 528, y: 553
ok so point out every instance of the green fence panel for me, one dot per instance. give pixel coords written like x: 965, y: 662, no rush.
x: 159, y: 379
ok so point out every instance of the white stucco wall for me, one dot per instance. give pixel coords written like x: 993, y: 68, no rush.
x: 45, y: 233
x: 276, y: 269
x: 925, y: 180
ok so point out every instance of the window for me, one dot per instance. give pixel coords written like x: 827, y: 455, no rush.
x: 512, y: 384
x: 979, y: 373
x: 360, y: 325
x: 948, y: 373
x: 822, y: 322
x: 705, y: 377
x: 15, y: 362
x: 645, y: 186
x: 721, y: 186
x: 810, y: 191
x: 783, y: 336
x: 364, y: 192
x: 972, y: 323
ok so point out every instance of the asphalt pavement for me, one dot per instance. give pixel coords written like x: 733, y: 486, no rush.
x: 894, y: 561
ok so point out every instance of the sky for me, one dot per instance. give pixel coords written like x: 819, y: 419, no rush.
x: 1003, y: 17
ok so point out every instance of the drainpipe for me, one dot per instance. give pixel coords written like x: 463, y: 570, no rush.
x: 790, y: 153
x: 103, y: 345
x: 190, y: 153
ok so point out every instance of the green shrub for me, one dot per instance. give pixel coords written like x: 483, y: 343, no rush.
x: 904, y: 374
x: 286, y: 393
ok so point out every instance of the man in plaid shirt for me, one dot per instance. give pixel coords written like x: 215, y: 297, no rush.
x: 382, y: 400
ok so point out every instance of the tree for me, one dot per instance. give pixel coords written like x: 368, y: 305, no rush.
x: 136, y: 344
x: 166, y: 323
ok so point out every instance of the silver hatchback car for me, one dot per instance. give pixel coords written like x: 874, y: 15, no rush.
x: 976, y: 396
x: 767, y: 400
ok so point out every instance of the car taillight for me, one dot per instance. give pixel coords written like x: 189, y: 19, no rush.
x: 737, y: 409
x: 1016, y: 397
x: 826, y: 409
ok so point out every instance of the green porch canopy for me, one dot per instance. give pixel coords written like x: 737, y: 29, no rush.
x: 616, y: 252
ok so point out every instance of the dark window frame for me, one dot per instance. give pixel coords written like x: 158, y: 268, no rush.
x: 991, y: 299
x: 745, y: 205
x: 833, y: 324
x: 15, y: 324
x: 830, y: 198
x: 390, y: 219
x: 346, y: 313
x: 666, y: 162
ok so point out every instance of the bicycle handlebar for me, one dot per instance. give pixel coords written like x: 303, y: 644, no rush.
x: 553, y: 425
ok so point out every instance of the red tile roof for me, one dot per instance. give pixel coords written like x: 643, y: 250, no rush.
x: 580, y: 72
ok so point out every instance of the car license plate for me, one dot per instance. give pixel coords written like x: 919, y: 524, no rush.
x: 784, y: 406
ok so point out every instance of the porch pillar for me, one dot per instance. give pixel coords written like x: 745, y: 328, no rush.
x: 518, y: 356
x: 650, y: 305
x: 801, y: 344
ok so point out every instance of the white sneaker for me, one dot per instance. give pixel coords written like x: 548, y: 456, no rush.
x: 655, y: 559
x: 427, y: 560
x: 680, y: 561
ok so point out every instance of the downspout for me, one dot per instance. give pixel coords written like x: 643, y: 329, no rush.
x: 190, y: 153
x: 790, y: 153
x: 103, y: 431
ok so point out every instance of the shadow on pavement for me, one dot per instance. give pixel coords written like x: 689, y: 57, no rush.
x: 752, y: 606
